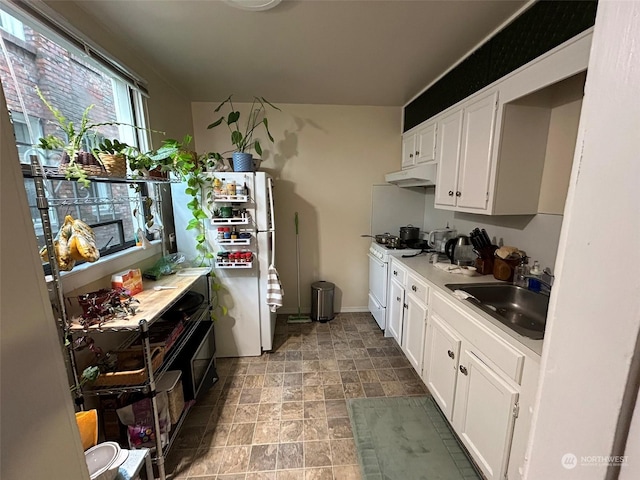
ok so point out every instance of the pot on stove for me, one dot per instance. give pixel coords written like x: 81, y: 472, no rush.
x: 409, y: 233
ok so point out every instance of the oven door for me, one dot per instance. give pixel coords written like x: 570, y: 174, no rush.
x: 378, y: 280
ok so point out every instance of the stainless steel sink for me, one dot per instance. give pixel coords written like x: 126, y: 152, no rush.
x: 522, y: 310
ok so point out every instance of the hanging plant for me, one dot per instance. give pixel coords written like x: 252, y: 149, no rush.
x: 174, y: 156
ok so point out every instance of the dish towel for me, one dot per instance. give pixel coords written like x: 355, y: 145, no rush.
x: 274, y: 289
x: 448, y: 267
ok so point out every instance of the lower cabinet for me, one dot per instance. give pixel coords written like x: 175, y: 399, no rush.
x: 395, y: 310
x: 485, y: 408
x: 407, y: 313
x: 415, y: 322
x: 442, y: 353
x: 480, y: 400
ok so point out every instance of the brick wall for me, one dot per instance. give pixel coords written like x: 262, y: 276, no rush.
x: 70, y: 85
x: 67, y: 82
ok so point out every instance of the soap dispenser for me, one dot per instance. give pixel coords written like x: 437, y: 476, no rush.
x: 535, y: 273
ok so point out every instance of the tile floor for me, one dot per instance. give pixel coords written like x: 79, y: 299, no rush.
x: 283, y: 415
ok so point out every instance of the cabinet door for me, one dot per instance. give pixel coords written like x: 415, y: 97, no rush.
x: 395, y: 310
x: 413, y: 331
x: 441, y: 356
x: 447, y: 155
x: 484, y: 414
x: 408, y: 150
x: 475, y: 154
x: 426, y: 143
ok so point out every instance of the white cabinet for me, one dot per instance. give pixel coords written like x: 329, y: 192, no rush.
x: 419, y: 145
x: 464, y: 153
x: 473, y: 376
x: 415, y: 322
x: 447, y: 155
x: 395, y: 310
x: 407, y: 312
x: 442, y: 354
x: 484, y: 413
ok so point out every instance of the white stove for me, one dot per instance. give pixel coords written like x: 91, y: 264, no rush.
x: 379, y: 257
x: 383, y: 253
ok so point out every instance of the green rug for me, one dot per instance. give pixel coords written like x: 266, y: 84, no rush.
x: 406, y: 439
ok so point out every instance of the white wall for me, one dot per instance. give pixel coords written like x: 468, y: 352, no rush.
x: 537, y: 235
x: 39, y: 435
x: 169, y: 109
x: 325, y: 160
x: 594, y: 313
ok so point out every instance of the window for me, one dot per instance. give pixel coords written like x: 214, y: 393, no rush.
x: 11, y: 25
x: 71, y: 82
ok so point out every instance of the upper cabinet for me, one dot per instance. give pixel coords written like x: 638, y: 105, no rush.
x: 508, y: 149
x: 464, y: 154
x: 419, y: 145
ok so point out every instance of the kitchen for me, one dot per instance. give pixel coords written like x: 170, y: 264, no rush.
x: 378, y: 128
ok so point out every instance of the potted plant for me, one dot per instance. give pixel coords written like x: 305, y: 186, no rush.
x: 75, y: 163
x: 242, y: 136
x: 113, y: 156
x: 109, y: 156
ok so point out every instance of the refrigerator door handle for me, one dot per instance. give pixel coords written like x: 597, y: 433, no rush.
x: 273, y: 220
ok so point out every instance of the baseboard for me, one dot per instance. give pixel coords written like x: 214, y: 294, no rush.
x: 305, y: 311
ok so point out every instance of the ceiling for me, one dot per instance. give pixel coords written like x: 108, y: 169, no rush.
x: 340, y: 52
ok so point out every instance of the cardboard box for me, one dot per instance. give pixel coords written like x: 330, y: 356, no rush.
x: 130, y: 280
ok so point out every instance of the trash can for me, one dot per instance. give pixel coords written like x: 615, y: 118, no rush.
x: 322, y: 301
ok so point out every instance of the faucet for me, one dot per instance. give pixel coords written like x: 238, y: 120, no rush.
x: 537, y: 282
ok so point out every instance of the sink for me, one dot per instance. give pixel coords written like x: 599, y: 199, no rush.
x: 522, y: 310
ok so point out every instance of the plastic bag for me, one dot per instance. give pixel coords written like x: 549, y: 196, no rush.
x: 139, y: 421
x: 167, y: 265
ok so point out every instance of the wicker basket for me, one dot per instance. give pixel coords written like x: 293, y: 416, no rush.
x: 116, y: 165
x: 91, y: 170
x: 89, y: 163
x: 135, y: 376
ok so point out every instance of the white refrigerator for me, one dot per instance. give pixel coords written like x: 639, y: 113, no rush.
x: 249, y: 326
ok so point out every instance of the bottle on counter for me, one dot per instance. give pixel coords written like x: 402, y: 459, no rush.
x: 520, y: 273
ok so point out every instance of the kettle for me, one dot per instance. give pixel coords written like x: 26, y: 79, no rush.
x: 460, y: 251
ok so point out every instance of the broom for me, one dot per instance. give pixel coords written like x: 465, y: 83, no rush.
x: 299, y: 318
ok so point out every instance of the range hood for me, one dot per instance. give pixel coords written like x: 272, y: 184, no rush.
x: 418, y: 176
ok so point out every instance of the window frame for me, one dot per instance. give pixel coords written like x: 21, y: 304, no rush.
x: 125, y: 86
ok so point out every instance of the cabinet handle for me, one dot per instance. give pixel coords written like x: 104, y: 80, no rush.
x: 463, y: 370
x: 458, y: 194
x: 397, y: 299
x: 451, y: 193
x: 395, y: 273
x: 451, y: 354
x: 405, y: 305
x: 417, y: 153
x: 414, y: 288
x: 411, y: 155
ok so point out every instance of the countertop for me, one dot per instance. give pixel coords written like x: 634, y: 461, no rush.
x: 152, y: 303
x: 439, y: 278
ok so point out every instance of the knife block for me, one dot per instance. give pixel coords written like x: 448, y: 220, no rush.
x: 484, y: 265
